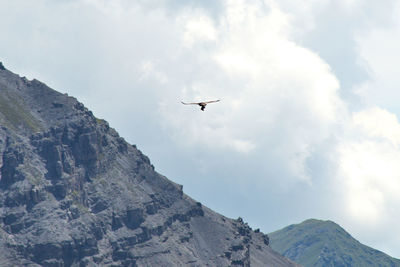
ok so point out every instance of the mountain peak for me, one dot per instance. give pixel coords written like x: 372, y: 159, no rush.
x: 27, y: 106
x: 325, y: 243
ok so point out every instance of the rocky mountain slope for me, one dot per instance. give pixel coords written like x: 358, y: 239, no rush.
x: 74, y: 193
x: 324, y: 243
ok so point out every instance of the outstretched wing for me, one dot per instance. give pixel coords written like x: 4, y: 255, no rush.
x: 190, y: 103
x: 212, y: 101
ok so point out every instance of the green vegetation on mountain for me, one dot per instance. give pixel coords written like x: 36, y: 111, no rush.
x: 324, y: 243
x: 14, y: 115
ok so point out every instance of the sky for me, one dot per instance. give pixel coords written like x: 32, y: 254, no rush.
x: 308, y: 123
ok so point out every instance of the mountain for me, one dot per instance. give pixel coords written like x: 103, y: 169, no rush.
x: 324, y: 243
x: 75, y: 193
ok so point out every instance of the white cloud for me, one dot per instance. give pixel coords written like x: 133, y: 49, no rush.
x: 371, y: 175
x: 132, y: 62
x: 369, y: 154
x: 351, y: 5
x: 149, y: 71
x: 377, y: 122
x: 198, y: 27
x: 368, y: 176
x: 378, y: 46
x: 269, y: 82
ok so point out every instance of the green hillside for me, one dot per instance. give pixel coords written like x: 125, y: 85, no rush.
x: 324, y: 243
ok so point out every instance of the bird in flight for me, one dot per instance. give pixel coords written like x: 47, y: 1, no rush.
x: 201, y: 104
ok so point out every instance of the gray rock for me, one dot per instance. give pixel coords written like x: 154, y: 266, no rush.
x: 74, y: 193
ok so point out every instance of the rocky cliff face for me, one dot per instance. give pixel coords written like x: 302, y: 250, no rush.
x: 74, y: 193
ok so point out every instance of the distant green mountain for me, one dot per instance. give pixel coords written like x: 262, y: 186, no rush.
x: 324, y: 243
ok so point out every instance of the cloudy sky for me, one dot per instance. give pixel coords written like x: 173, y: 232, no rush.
x: 308, y: 123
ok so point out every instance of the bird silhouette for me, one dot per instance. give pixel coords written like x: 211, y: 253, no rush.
x: 201, y: 104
